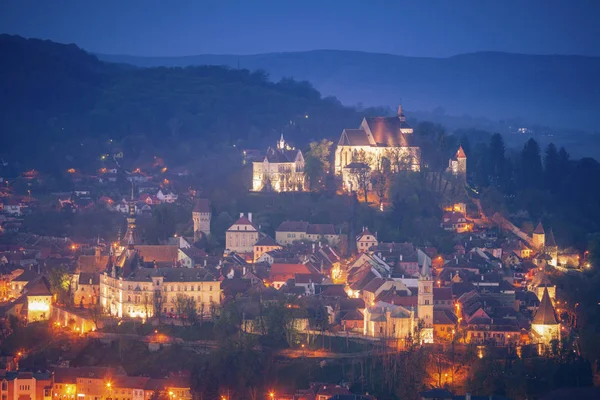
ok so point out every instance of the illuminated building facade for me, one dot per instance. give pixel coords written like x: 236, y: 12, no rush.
x: 379, y: 141
x: 241, y: 236
x: 18, y: 385
x: 281, y: 170
x: 39, y: 300
x: 137, y: 294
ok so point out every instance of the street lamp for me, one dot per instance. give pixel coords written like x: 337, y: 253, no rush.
x: 271, y: 395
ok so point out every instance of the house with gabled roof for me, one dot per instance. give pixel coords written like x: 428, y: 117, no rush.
x: 242, y: 235
x: 264, y: 245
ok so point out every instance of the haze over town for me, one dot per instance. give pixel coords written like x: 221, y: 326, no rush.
x: 299, y: 200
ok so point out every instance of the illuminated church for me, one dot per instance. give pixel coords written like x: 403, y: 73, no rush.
x: 281, y: 170
x: 379, y: 141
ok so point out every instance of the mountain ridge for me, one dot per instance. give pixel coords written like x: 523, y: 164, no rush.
x: 557, y: 90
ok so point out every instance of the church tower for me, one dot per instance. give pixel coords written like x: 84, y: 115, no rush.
x: 425, y: 303
x: 539, y: 237
x: 130, y: 238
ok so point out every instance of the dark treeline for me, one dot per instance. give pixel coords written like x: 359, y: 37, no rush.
x: 64, y: 105
x: 536, y: 184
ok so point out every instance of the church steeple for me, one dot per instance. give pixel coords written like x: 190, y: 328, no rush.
x: 130, y: 236
x: 281, y: 143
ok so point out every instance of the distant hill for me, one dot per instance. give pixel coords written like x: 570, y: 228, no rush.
x: 60, y: 105
x: 555, y: 90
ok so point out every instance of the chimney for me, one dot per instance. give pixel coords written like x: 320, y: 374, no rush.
x: 400, y: 257
x: 205, y: 262
x: 313, y: 248
x: 481, y: 278
x: 241, y: 215
x: 250, y: 217
x: 456, y: 260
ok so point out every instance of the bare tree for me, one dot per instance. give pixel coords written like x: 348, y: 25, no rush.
x: 179, y: 302
x: 95, y: 311
x: 379, y: 184
x: 158, y: 301
x: 191, y: 313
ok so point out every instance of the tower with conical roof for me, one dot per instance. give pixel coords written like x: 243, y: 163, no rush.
x: 545, y: 323
x: 458, y: 164
x: 425, y: 303
x: 539, y: 237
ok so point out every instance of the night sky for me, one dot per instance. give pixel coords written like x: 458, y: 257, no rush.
x: 413, y: 28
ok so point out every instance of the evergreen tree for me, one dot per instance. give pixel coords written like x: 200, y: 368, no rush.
x: 564, y: 162
x: 497, y: 160
x: 552, y: 173
x: 531, y: 165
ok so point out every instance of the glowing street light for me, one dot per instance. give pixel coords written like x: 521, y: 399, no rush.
x: 271, y: 395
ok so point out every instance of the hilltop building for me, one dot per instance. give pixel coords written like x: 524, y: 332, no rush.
x: 281, y: 170
x: 380, y: 142
x: 458, y: 164
x: 201, y: 218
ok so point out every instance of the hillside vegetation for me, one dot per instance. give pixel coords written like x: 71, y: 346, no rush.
x: 555, y: 90
x: 63, y: 105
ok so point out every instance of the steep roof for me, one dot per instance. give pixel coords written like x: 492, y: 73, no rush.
x: 545, y: 314
x: 202, y: 206
x: 266, y: 241
x: 293, y: 226
x: 320, y: 229
x: 243, y: 220
x: 460, y: 153
x: 39, y: 288
x: 354, y: 137
x: 365, y: 232
x: 281, y: 155
x: 550, y: 242
x: 539, y: 229
x: 353, y: 315
x: 386, y: 131
x: 158, y: 253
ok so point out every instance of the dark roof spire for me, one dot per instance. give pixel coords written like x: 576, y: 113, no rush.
x: 550, y: 242
x: 539, y: 229
x: 545, y: 314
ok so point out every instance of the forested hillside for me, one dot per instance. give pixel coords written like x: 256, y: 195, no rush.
x: 62, y: 103
x: 560, y: 91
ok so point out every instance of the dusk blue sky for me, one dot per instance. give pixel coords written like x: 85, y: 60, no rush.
x: 414, y: 28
